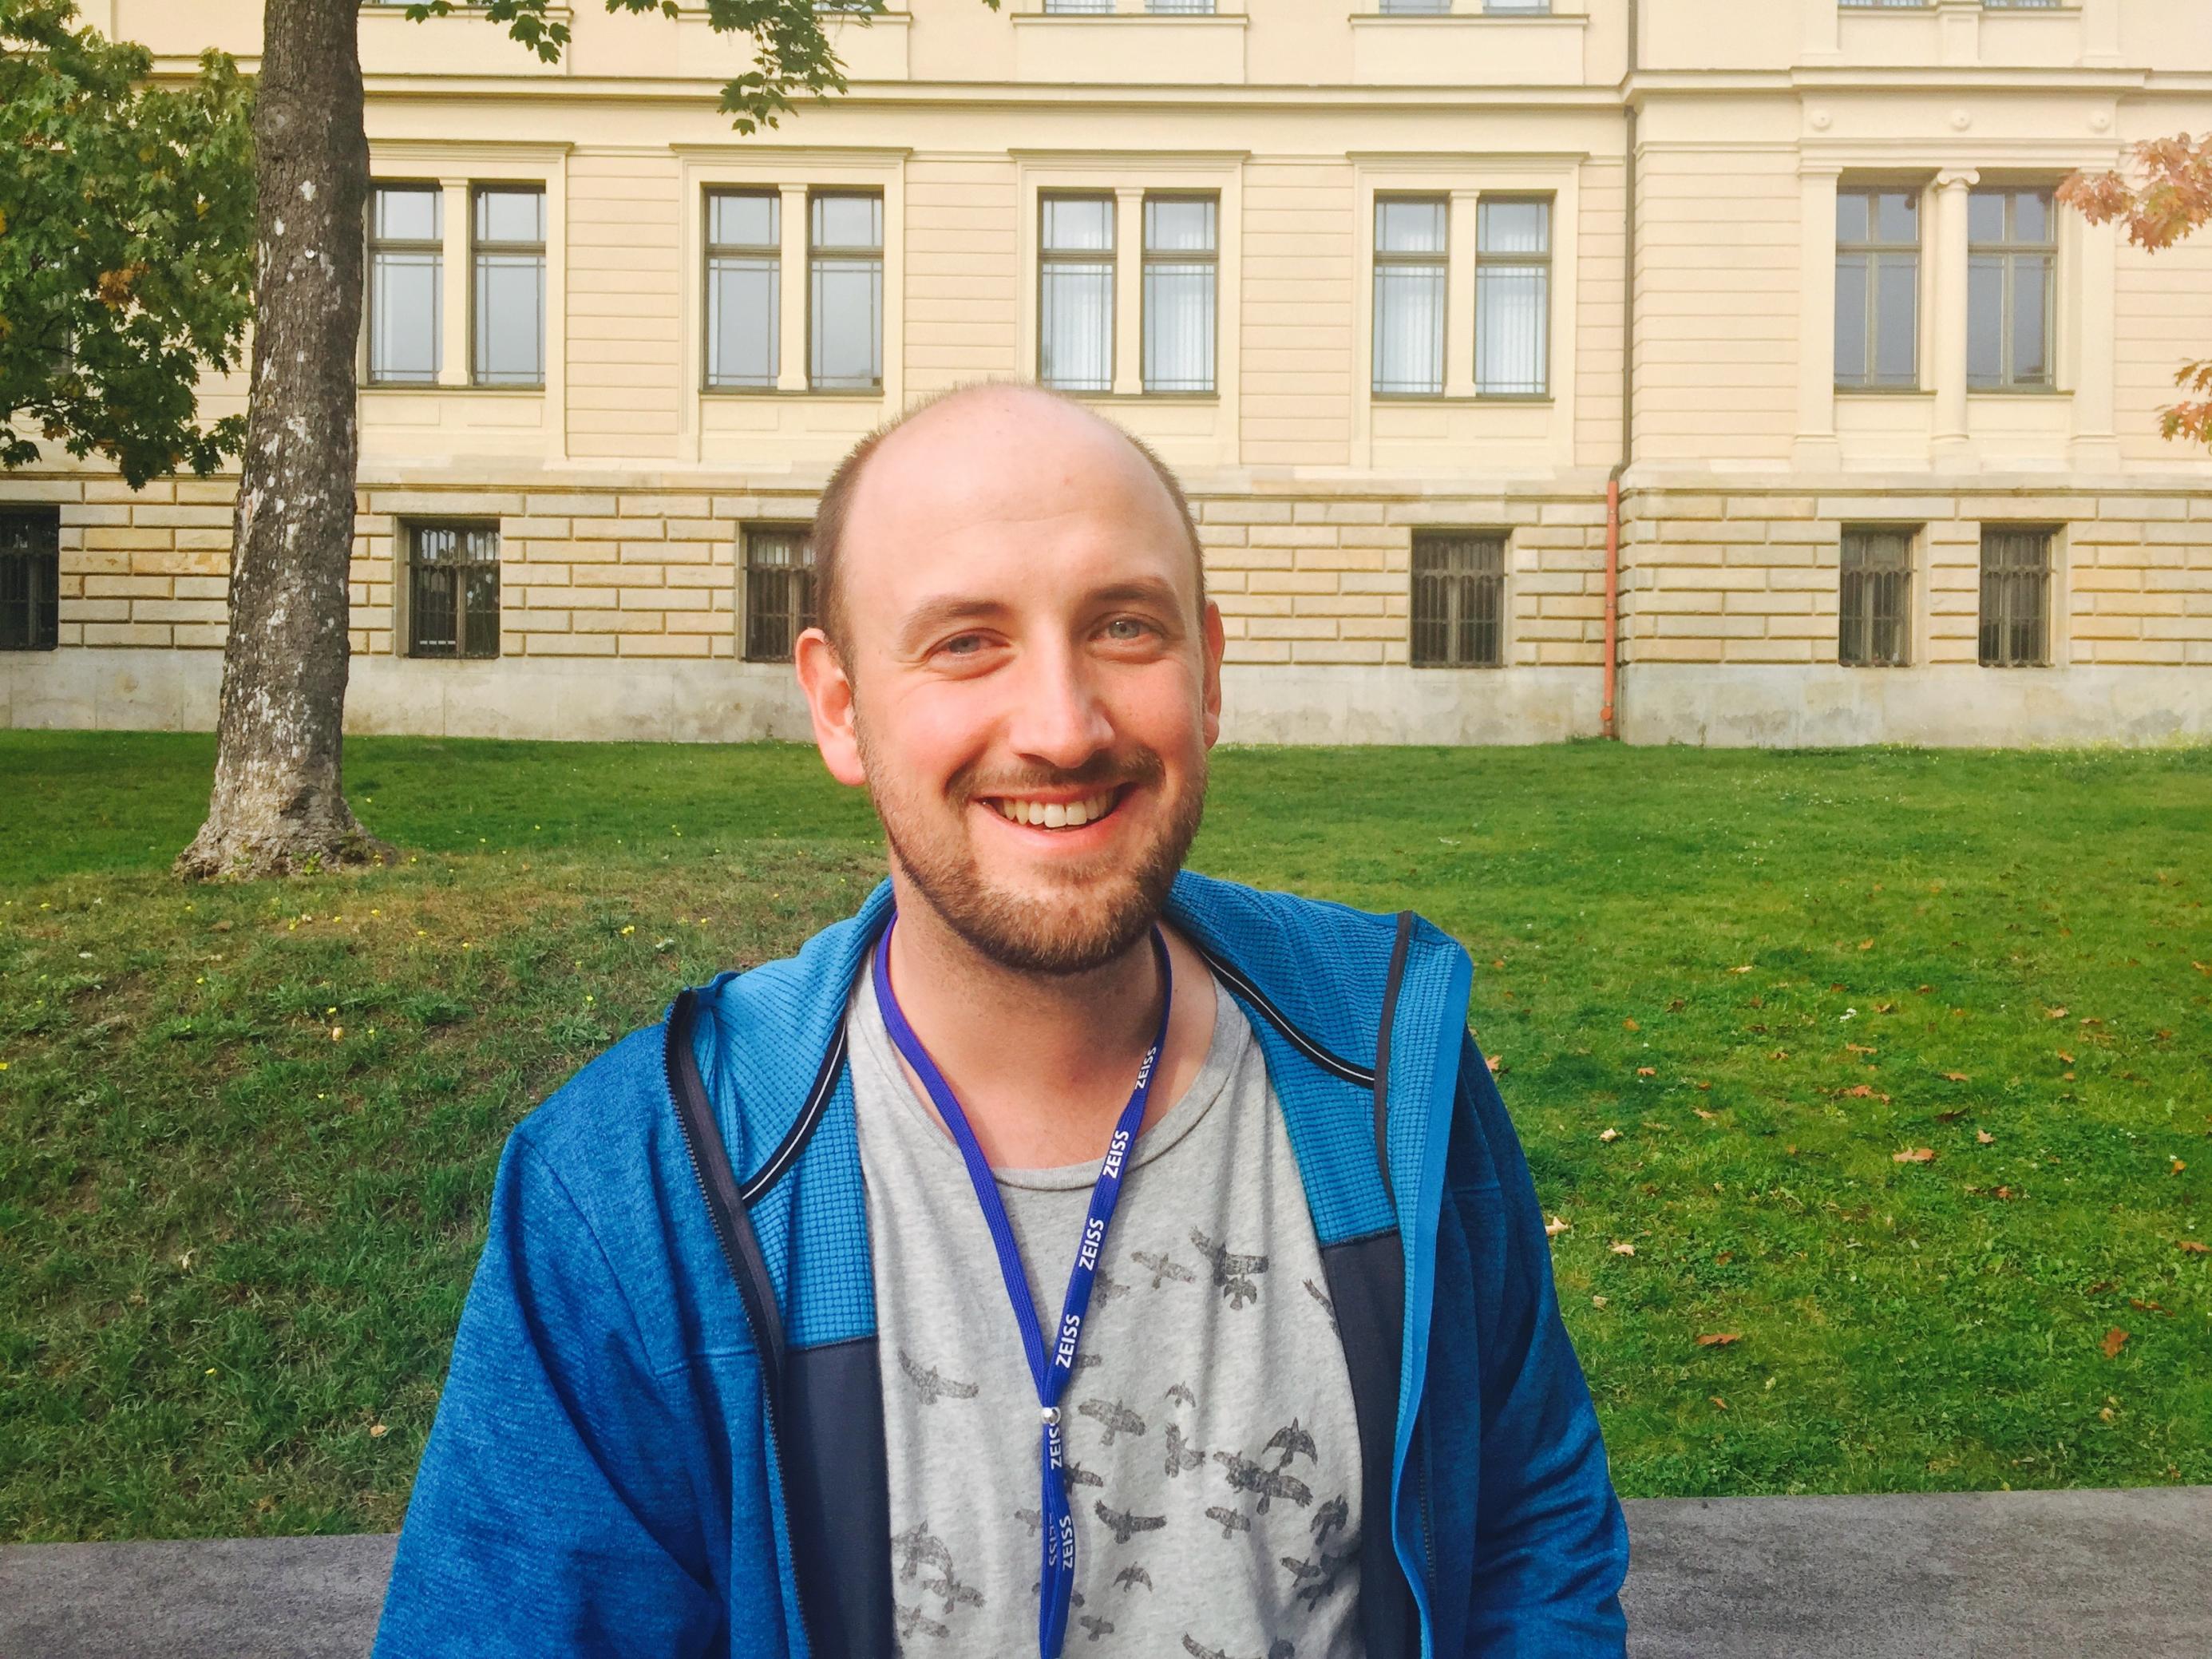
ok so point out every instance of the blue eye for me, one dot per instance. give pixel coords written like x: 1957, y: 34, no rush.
x: 1128, y: 628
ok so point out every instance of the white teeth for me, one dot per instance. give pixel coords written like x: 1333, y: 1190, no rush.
x: 1056, y: 815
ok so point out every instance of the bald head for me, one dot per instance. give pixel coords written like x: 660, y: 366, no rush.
x: 1005, y: 452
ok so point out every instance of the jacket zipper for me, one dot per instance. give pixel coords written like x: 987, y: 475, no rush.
x: 736, y: 1256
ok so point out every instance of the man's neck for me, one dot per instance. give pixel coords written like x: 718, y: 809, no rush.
x: 1043, y: 1064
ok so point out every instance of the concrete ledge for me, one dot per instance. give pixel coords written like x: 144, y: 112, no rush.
x: 1957, y: 1575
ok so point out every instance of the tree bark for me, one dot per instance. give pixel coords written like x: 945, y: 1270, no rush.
x: 278, y: 805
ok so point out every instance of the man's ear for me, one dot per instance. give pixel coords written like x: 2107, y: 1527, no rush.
x: 828, y: 691
x: 1213, y: 644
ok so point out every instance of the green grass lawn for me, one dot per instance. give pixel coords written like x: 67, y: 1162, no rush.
x: 247, y: 1134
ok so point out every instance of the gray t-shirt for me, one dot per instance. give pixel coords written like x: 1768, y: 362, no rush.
x: 1213, y: 1457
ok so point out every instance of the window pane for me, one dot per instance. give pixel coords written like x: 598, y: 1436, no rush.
x: 848, y: 299
x: 1413, y: 7
x: 2031, y: 313
x: 1079, y: 224
x: 1402, y: 226
x: 30, y: 581
x: 1179, y: 226
x: 1511, y: 328
x: 1409, y: 329
x: 1513, y: 227
x: 1178, y: 344
x: 1897, y: 218
x: 407, y: 214
x: 1851, y: 294
x: 779, y: 592
x: 1075, y: 350
x: 1532, y: 6
x: 1897, y: 300
x: 1985, y: 298
x: 2031, y: 217
x: 510, y: 318
x: 405, y: 316
x: 510, y: 216
x: 1986, y: 216
x: 744, y: 321
x: 750, y: 220
x: 1080, y: 8
x: 849, y: 221
x: 1852, y: 207
x: 1459, y: 593
x: 1191, y: 7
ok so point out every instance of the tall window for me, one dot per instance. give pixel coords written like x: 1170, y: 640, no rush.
x: 452, y: 590
x: 779, y: 590
x: 1410, y: 262
x: 1179, y: 298
x: 1513, y: 298
x: 406, y: 283
x: 509, y: 316
x: 845, y: 292
x: 745, y: 287
x: 30, y: 581
x: 1876, y: 597
x: 2015, y: 597
x: 1075, y: 301
x: 2012, y: 259
x: 1459, y: 600
x: 1877, y: 288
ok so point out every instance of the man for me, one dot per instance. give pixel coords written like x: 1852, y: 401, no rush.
x: 1064, y: 1252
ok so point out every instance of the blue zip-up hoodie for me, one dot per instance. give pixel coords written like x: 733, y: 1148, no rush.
x: 662, y: 1433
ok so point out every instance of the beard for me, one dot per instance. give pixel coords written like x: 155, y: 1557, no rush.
x: 1078, y: 923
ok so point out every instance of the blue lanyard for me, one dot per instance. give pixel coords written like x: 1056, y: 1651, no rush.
x: 1050, y: 1370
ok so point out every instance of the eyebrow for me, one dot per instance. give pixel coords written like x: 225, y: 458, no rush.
x: 933, y: 614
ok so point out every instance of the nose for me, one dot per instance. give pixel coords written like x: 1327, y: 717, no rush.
x: 1059, y: 719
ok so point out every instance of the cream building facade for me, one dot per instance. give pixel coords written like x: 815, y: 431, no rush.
x: 1400, y: 293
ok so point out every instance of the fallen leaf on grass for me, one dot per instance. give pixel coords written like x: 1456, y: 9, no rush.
x: 1493, y: 1065
x: 2192, y: 1247
x: 2064, y: 1058
x: 1914, y: 1155
x: 2115, y: 1340
x: 1860, y: 1049
x: 2178, y: 1166
x: 1984, y: 1138
x: 1719, y: 1404
x: 2054, y: 1014
x: 1609, y: 1134
x: 1866, y: 945
x: 1703, y: 1113
x: 1956, y: 1077
x: 1719, y: 1339
x: 378, y: 1431
x: 1647, y: 1071
x: 1556, y: 1225
x: 1622, y: 1248
x: 1747, y: 969
x: 2142, y: 1306
x: 2004, y: 1192
x: 1498, y: 963
x: 2202, y: 967
x: 1724, y: 1257
x: 1630, y: 1025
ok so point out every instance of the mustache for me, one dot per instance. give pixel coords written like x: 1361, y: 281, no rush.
x: 1108, y: 771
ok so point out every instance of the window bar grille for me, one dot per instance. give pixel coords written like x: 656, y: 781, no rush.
x: 1459, y: 601
x: 2016, y: 593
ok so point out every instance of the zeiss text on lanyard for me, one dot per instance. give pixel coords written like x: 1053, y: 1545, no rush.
x: 1049, y: 1369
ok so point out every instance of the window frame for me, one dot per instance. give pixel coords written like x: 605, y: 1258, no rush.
x: 373, y: 245
x: 804, y: 615
x: 710, y: 250
x: 1209, y: 257
x: 2010, y: 250
x: 816, y: 252
x: 1485, y: 542
x: 1047, y: 256
x: 1856, y: 634
x: 479, y: 246
x: 411, y: 532
x: 1874, y: 251
x: 1543, y: 261
x: 41, y: 576
x: 2042, y: 583
x: 1377, y: 262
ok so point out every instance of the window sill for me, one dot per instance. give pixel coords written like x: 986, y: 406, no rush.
x: 1180, y: 19
x: 1460, y: 400
x: 418, y: 388
x: 2017, y: 392
x: 1465, y: 19
x: 773, y: 394
x: 1146, y: 397
x: 1460, y: 667
x: 1885, y: 392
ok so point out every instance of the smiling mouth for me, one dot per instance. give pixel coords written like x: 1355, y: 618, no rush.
x: 1054, y: 814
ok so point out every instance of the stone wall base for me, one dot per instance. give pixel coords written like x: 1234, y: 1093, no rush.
x: 1728, y: 705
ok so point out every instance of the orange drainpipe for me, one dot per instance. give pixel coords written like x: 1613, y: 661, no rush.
x: 1606, y: 720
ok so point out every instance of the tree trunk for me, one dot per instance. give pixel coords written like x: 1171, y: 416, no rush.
x: 278, y: 805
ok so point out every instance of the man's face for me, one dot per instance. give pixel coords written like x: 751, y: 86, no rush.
x: 1030, y: 684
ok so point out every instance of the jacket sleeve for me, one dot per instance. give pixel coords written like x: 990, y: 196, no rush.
x: 1550, y: 1541
x: 556, y: 1509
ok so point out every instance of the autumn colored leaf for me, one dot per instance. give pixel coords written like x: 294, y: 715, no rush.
x: 1495, y: 1065
x: 1984, y: 1137
x: 1914, y: 1155
x: 1703, y: 1113
x: 2192, y: 1247
x: 1719, y: 1339
x: 1620, y: 1247
x: 1719, y: 1404
x: 2178, y: 1166
x: 1747, y: 969
x: 1860, y: 1049
x: 1630, y: 1025
x: 1724, y: 1257
x: 1647, y: 1071
x: 1608, y: 1133
x: 2115, y: 1340
x: 2054, y: 1014
x: 1556, y: 1225
x: 2064, y: 1058
x: 1956, y: 1077
x: 2202, y: 967
x: 2142, y: 1306
x: 1866, y: 945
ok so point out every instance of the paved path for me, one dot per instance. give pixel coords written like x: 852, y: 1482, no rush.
x: 1973, y: 1576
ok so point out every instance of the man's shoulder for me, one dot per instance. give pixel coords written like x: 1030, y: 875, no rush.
x: 605, y: 1112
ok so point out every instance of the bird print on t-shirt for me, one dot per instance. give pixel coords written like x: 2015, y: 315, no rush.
x: 932, y: 1385
x: 1232, y: 1273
